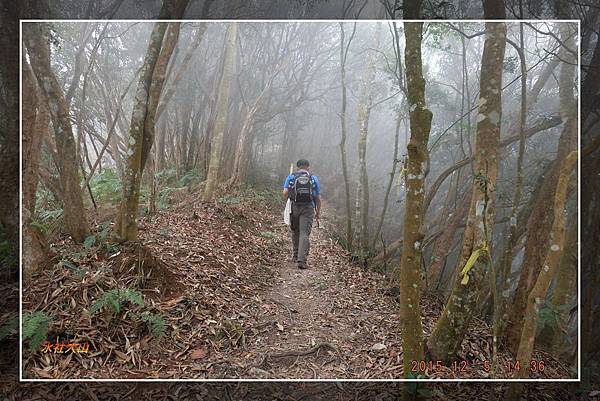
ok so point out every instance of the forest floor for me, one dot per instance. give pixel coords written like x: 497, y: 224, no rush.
x: 233, y: 305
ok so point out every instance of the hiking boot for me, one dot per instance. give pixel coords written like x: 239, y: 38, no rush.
x: 302, y: 265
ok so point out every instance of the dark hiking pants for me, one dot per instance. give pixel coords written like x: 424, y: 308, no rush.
x: 301, y: 224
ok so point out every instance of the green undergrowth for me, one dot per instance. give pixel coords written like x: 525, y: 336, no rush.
x: 35, y: 328
x: 116, y: 301
x: 167, y: 183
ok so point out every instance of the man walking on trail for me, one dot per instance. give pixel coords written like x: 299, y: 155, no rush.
x: 303, y: 189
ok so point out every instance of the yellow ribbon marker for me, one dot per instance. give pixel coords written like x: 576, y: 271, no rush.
x: 400, y: 174
x: 472, y: 259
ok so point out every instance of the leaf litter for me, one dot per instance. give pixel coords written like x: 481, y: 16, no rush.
x: 234, y: 306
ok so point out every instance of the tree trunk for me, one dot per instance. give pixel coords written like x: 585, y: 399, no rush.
x: 536, y: 297
x: 365, y: 103
x: 139, y: 133
x: 141, y: 130
x: 565, y: 289
x: 37, y: 41
x: 160, y: 145
x: 289, y: 138
x: 410, y: 263
x: 168, y: 94
x: 502, y: 291
x: 158, y: 79
x: 458, y: 312
x: 221, y: 113
x: 36, y: 121
x: 388, y: 188
x: 184, y: 136
x: 343, y: 56
x: 540, y: 220
x: 444, y: 244
x: 242, y: 149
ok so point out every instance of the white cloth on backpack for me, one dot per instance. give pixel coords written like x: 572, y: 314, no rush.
x: 287, y: 212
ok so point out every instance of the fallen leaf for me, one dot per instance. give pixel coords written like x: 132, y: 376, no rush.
x: 43, y: 373
x: 378, y: 347
x: 198, y: 353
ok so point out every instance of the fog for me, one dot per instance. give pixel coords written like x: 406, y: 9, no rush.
x: 287, y: 83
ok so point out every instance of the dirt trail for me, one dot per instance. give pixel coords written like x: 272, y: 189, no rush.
x: 328, y: 321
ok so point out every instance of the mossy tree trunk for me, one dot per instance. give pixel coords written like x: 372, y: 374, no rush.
x: 141, y: 128
x: 37, y: 41
x: 410, y: 263
x: 450, y: 329
x: 133, y: 166
x: 216, y: 146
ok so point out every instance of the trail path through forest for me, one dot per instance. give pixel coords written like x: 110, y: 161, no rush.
x: 234, y: 305
x: 328, y: 322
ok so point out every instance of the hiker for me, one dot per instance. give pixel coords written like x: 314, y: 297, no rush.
x: 303, y: 189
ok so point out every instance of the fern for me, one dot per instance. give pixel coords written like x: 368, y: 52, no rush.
x: 35, y: 328
x: 189, y: 179
x: 163, y: 198
x: 166, y: 175
x: 89, y: 242
x: 113, y: 299
x: 155, y: 322
x: 106, y: 186
x: 46, y: 220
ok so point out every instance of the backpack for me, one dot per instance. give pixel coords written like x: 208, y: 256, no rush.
x: 301, y: 188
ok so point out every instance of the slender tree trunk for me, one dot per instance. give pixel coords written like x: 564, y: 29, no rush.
x: 364, y: 111
x: 221, y: 113
x: 289, y: 136
x: 160, y: 144
x: 168, y: 94
x: 184, y: 134
x: 458, y: 312
x: 141, y: 130
x: 410, y: 264
x: 37, y: 42
x: 139, y: 133
x: 343, y: 56
x: 444, y: 244
x: 36, y: 121
x: 242, y: 149
x: 500, y: 308
x: 565, y: 288
x: 540, y: 220
x: 536, y: 297
x: 158, y: 79
x: 390, y: 183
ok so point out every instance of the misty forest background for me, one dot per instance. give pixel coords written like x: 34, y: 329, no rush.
x: 447, y: 154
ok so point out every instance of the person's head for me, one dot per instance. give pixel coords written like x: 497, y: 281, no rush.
x: 302, y: 164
